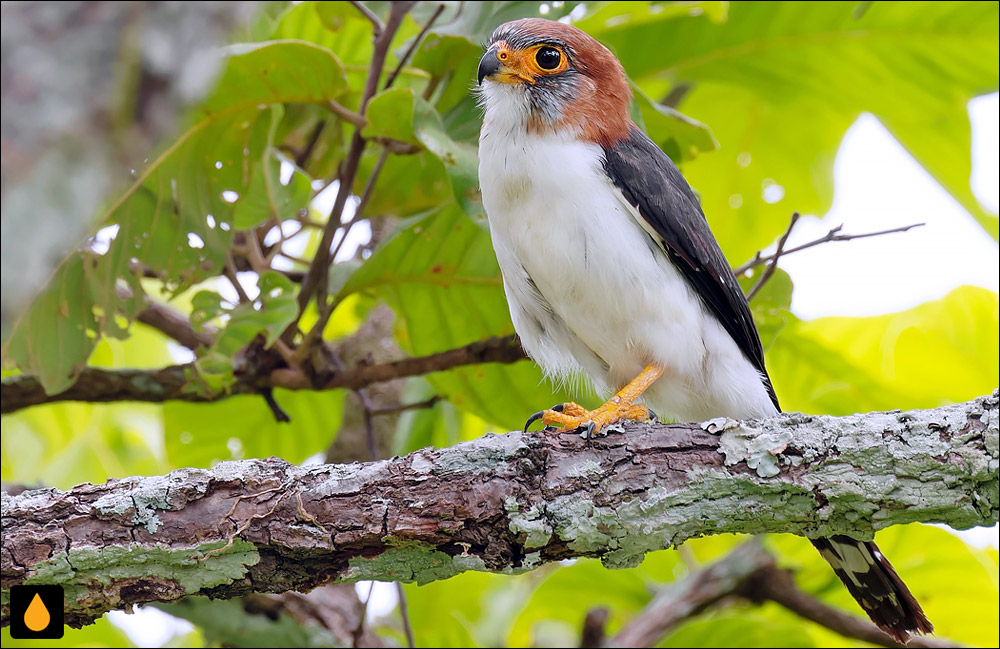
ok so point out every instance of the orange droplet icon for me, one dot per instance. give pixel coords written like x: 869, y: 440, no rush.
x: 37, y: 616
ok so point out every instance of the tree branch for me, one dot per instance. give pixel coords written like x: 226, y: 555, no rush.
x: 749, y: 572
x: 181, y: 383
x: 501, y: 503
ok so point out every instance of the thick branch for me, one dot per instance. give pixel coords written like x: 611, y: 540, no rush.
x: 501, y: 503
x: 180, y: 382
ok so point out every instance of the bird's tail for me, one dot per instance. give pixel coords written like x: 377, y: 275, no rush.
x: 873, y: 582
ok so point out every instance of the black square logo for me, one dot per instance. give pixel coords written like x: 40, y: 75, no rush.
x: 36, y: 612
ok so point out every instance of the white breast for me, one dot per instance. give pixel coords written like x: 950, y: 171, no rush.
x: 589, y: 290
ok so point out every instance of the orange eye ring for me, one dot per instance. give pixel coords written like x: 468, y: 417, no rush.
x: 530, y: 59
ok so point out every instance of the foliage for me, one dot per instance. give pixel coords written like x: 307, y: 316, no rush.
x: 761, y: 94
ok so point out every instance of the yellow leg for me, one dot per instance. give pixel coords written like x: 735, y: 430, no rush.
x: 570, y: 416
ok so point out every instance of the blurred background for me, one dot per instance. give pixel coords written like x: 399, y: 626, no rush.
x: 867, y: 115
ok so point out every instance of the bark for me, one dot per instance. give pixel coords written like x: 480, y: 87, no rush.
x: 501, y: 503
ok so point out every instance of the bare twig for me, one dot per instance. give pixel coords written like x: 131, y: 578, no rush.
x: 771, y: 267
x: 346, y: 114
x: 832, y: 235
x: 413, y: 47
x: 376, y: 22
x: 404, y: 613
x: 391, y: 410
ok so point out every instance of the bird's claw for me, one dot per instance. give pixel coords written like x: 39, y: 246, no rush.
x: 540, y: 414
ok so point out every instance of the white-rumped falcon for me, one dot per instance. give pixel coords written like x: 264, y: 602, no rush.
x: 611, y: 270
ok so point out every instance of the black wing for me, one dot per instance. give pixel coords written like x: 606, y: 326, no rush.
x: 649, y: 180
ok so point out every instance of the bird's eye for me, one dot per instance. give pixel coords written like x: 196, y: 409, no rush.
x: 548, y: 58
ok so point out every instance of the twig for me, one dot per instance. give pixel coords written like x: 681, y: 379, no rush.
x: 832, y: 235
x: 594, y: 628
x: 169, y: 322
x: 326, y: 310
x: 346, y: 114
x: 391, y: 410
x: 404, y: 613
x: 317, y: 275
x: 367, y: 13
x: 280, y: 415
x: 413, y: 47
x: 771, y: 267
x: 302, y: 157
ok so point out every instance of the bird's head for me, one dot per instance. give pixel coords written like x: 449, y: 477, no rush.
x: 551, y: 77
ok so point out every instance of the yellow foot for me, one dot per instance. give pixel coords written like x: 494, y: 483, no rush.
x: 572, y: 416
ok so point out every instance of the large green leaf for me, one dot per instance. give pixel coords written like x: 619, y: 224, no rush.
x: 442, y: 279
x: 779, y: 83
x: 940, y: 352
x: 176, y: 217
x: 200, y: 435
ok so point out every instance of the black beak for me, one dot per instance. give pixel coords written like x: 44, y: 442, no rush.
x: 489, y: 64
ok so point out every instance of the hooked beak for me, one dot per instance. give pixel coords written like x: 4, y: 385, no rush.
x: 489, y: 64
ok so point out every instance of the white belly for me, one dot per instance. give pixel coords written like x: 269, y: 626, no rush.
x: 589, y: 290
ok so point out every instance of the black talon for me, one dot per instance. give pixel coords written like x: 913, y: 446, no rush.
x: 532, y: 419
x: 559, y: 407
x: 652, y: 415
x: 588, y: 432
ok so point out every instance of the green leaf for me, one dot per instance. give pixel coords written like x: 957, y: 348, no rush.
x: 199, y: 435
x: 680, y: 137
x: 390, y: 115
x: 441, y: 277
x: 267, y: 197
x: 940, y: 352
x: 274, y: 309
x: 176, y: 217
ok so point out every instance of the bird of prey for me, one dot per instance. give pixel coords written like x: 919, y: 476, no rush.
x: 610, y: 268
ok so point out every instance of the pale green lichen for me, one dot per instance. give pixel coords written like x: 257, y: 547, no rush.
x: 532, y: 524
x: 83, y: 565
x: 758, y: 450
x: 488, y: 453
x: 411, y: 563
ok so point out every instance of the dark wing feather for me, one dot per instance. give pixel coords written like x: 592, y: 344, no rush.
x: 649, y: 180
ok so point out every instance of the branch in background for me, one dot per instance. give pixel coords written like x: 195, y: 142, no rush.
x: 692, y: 595
x: 497, y: 503
x: 777, y: 585
x: 413, y: 47
x: 832, y: 235
x: 181, y: 383
x: 749, y: 572
x: 771, y: 267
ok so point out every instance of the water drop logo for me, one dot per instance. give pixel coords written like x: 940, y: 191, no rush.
x: 36, y: 612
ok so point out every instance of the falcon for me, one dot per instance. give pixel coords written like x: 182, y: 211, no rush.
x: 611, y: 271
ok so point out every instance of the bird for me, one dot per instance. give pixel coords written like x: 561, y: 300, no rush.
x: 611, y: 271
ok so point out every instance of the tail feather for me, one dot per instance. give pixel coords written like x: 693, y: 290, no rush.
x: 873, y: 582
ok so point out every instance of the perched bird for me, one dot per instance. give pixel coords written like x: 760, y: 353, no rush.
x: 610, y: 268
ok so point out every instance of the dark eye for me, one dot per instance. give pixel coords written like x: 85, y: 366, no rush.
x: 548, y: 58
